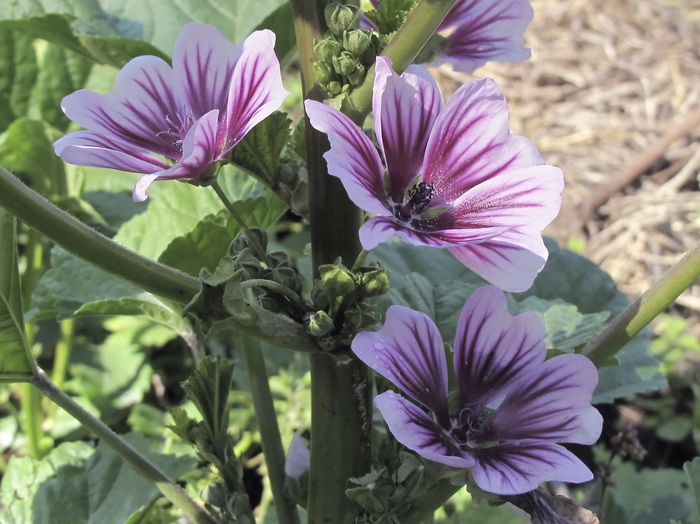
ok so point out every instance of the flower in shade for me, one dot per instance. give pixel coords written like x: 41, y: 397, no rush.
x: 481, y: 31
x: 181, y: 122
x: 449, y: 177
x: 298, y: 460
x: 511, y: 407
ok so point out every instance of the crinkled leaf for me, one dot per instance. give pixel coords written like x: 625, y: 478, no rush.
x: 18, y: 74
x: 16, y: 362
x: 209, y: 240
x: 76, y: 483
x: 260, y: 150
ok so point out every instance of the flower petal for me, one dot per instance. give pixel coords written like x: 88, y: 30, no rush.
x: 199, y: 150
x: 408, y: 351
x: 352, y: 157
x: 470, y: 142
x: 85, y: 148
x: 203, y: 64
x: 256, y: 89
x: 298, y: 459
x: 137, y: 111
x: 417, y: 431
x: 404, y: 108
x: 493, y: 348
x: 520, y: 466
x: 552, y: 401
x: 510, y: 260
x: 485, y: 31
x: 379, y: 229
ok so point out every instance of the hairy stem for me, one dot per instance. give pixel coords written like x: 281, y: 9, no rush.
x: 173, y: 492
x: 643, y: 310
x: 269, y: 430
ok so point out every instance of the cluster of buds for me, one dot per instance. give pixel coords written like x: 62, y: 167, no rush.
x: 340, y: 299
x: 345, y: 52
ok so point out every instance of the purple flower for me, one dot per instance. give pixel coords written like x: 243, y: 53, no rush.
x: 298, y: 460
x: 449, y: 177
x: 181, y: 122
x: 481, y: 31
x: 511, y: 406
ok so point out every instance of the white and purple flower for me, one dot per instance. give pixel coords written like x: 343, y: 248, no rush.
x: 511, y: 407
x: 483, y: 31
x: 181, y: 122
x: 449, y: 177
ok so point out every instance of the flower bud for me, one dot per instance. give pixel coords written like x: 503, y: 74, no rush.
x: 340, y: 17
x: 241, y: 241
x: 326, y: 48
x: 337, y: 280
x: 357, y: 41
x: 373, y: 283
x: 320, y: 324
x: 345, y: 63
x: 357, y: 76
x: 324, y: 73
x: 334, y: 88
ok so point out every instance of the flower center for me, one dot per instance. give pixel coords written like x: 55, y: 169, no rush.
x: 178, y: 126
x: 415, y: 201
x: 468, y: 429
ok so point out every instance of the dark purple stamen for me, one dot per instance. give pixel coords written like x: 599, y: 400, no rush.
x: 419, y: 197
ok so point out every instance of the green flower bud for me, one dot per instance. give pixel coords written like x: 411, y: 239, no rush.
x: 357, y: 76
x: 324, y: 73
x: 326, y: 48
x: 286, y: 276
x: 337, y: 280
x: 356, y: 41
x: 241, y: 241
x: 345, y: 63
x: 359, y: 317
x: 334, y: 88
x: 341, y: 17
x: 373, y: 283
x: 320, y: 324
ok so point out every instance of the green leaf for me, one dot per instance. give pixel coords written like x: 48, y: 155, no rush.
x: 16, y: 361
x: 76, y: 483
x: 18, y: 74
x: 260, y: 150
x: 692, y: 473
x: 208, y: 242
x: 281, y: 22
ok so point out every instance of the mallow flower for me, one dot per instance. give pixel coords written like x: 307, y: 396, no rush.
x: 481, y: 31
x: 449, y: 177
x: 511, y: 407
x: 177, y: 123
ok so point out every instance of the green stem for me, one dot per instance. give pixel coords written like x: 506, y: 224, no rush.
x: 420, y: 25
x: 360, y: 260
x: 269, y: 430
x: 86, y: 243
x: 62, y: 352
x: 32, y: 418
x: 252, y: 240
x: 173, y: 492
x: 643, y: 310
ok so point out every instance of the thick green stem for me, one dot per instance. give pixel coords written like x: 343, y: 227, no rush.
x: 32, y: 417
x: 643, y: 310
x: 173, y: 492
x: 62, y: 352
x: 402, y: 50
x: 88, y: 244
x: 269, y: 430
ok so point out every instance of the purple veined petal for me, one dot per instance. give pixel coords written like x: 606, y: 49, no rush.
x: 298, y: 459
x: 493, y: 348
x: 405, y: 108
x: 509, y: 261
x: 418, y: 432
x: 352, y: 157
x: 141, y: 110
x: 485, y: 30
x: 552, y: 401
x: 513, y: 198
x: 85, y: 148
x: 256, y: 89
x: 470, y: 141
x: 408, y: 351
x: 520, y: 466
x: 203, y: 64
x: 199, y: 150
x: 379, y: 229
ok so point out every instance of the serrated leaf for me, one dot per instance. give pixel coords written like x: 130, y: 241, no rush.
x: 76, y: 483
x: 16, y: 361
x: 692, y: 473
x: 209, y: 240
x: 260, y: 150
x: 18, y: 73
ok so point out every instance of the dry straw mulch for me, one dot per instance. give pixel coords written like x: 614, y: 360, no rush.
x: 608, y: 79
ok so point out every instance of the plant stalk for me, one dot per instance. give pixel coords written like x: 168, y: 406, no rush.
x: 647, y: 307
x: 269, y: 430
x: 172, y: 491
